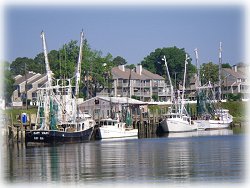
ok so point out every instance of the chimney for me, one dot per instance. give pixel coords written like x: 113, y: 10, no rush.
x: 234, y: 68
x: 122, y: 68
x: 139, y: 69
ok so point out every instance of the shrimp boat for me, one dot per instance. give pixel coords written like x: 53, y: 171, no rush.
x: 210, y: 113
x: 178, y: 119
x: 58, y: 118
x: 113, y: 128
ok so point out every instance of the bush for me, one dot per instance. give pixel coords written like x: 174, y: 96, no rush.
x: 234, y: 97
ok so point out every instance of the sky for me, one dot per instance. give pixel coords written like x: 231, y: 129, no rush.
x: 132, y: 32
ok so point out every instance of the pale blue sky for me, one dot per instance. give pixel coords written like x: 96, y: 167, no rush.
x: 130, y: 32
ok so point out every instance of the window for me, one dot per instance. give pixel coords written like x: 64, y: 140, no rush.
x: 34, y: 94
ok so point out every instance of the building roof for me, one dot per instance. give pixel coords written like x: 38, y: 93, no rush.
x: 151, y: 75
x: 118, y: 73
x: 145, y: 74
x: 118, y: 100
x: 122, y: 100
x: 24, y: 78
x: 38, y: 78
x: 238, y: 74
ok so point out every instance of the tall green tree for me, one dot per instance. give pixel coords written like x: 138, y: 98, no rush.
x: 40, y: 63
x: 118, y: 60
x: 209, y: 72
x: 8, y: 82
x: 19, y: 65
x: 96, y: 70
x: 63, y: 63
x: 176, y: 61
x: 226, y: 65
x: 130, y: 66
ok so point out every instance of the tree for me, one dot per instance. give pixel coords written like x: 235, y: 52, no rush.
x: 209, y: 72
x: 119, y: 61
x: 63, y: 62
x: 131, y: 66
x: 18, y: 65
x: 8, y: 82
x: 175, y: 59
x: 225, y: 65
x: 96, y: 70
x: 40, y: 62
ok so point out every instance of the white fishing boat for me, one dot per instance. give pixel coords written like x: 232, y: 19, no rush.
x: 112, y: 128
x: 221, y: 120
x: 177, y: 119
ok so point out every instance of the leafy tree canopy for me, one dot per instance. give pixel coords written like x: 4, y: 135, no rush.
x: 131, y: 66
x: 119, y: 61
x: 19, y: 65
x: 226, y: 65
x: 209, y: 72
x: 8, y: 82
x: 175, y: 59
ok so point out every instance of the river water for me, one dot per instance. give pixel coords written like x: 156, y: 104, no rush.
x: 200, y: 157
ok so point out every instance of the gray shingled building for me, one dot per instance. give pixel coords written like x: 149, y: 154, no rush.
x: 139, y: 83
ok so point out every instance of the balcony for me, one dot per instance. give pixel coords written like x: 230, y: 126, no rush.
x: 163, y: 93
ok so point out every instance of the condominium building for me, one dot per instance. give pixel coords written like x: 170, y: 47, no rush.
x: 235, y: 81
x: 26, y: 87
x: 138, y: 83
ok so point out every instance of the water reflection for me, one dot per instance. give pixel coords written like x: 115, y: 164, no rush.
x: 167, y: 159
x: 218, y: 132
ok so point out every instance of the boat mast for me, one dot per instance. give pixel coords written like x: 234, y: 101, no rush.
x: 170, y: 81
x: 47, y: 99
x: 184, y: 82
x: 78, y: 68
x: 48, y: 71
x: 198, y: 82
x: 220, y: 63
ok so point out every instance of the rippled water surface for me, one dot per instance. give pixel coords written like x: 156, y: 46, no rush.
x: 175, y: 158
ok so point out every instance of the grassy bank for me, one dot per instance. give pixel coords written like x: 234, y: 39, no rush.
x: 14, y: 112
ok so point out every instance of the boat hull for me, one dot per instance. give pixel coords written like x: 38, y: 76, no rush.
x: 54, y: 136
x: 117, y: 133
x: 212, y: 124
x: 177, y: 125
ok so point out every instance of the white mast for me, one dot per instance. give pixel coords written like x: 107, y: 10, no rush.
x: 220, y: 62
x: 171, y: 86
x: 48, y: 71
x: 184, y: 82
x: 78, y: 68
x: 198, y: 82
x: 46, y: 98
